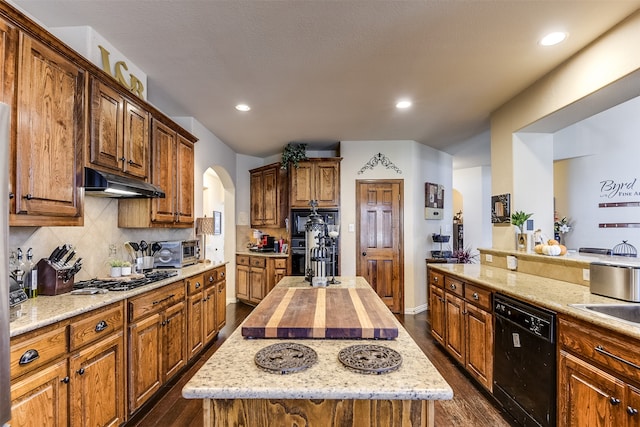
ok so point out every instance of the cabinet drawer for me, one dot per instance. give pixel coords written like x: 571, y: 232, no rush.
x: 280, y: 263
x: 436, y: 279
x: 454, y: 285
x: 95, y: 326
x: 195, y: 284
x: 258, y: 262
x: 156, y: 300
x: 242, y: 259
x: 601, y: 347
x: 478, y: 296
x: 221, y: 274
x: 38, y: 349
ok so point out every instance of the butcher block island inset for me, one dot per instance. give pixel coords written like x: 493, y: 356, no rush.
x: 321, y: 313
x: 235, y: 391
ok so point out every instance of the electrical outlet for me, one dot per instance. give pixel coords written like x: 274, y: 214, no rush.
x: 585, y: 274
x: 488, y: 257
x: 352, y: 228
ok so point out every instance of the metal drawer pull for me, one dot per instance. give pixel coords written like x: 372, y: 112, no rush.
x: 600, y: 349
x: 198, y: 285
x: 476, y: 296
x: 80, y: 371
x: 29, y: 356
x: 101, y: 326
x: 164, y: 299
x: 614, y: 401
x: 632, y: 411
x: 65, y: 380
x: 452, y: 286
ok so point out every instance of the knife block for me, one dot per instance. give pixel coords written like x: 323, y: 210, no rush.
x: 51, y: 279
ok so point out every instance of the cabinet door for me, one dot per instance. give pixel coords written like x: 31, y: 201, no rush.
x: 106, y: 126
x: 209, y: 313
x: 302, y: 190
x: 327, y: 183
x: 184, y: 166
x: 40, y: 399
x: 436, y: 313
x: 633, y: 406
x: 257, y: 281
x: 270, y: 197
x: 221, y: 305
x: 136, y: 141
x: 145, y: 359
x: 242, y: 282
x: 588, y: 396
x: 479, y: 345
x: 454, y: 336
x: 163, y: 172
x: 97, y: 384
x: 174, y: 340
x: 195, y: 337
x: 50, y: 137
x: 256, y: 188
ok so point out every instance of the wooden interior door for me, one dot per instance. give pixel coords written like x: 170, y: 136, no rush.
x: 379, y: 204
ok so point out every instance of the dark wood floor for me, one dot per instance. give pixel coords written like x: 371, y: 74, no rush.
x: 469, y: 407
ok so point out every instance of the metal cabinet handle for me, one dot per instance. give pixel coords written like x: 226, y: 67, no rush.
x: 476, y: 296
x: 632, y: 411
x: 29, y: 356
x: 28, y: 196
x: 453, y: 286
x: 198, y: 284
x: 364, y: 254
x: 435, y: 279
x: 163, y: 322
x: 614, y: 401
x: 101, y: 326
x: 130, y: 162
x: 600, y: 349
x: 80, y: 371
x: 11, y: 195
x: 210, y: 278
x: 65, y: 380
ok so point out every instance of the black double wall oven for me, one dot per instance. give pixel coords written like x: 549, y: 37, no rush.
x: 297, y: 223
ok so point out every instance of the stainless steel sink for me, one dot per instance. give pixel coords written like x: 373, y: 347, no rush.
x: 627, y: 312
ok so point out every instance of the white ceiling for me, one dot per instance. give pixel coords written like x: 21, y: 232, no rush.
x: 330, y: 70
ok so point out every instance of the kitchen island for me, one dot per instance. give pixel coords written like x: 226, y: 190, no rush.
x: 235, y: 391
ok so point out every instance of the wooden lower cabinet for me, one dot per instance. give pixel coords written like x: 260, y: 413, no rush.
x: 462, y: 322
x: 76, y: 384
x: 157, y: 341
x: 598, y: 378
x: 196, y: 308
x: 257, y: 275
x: 41, y: 399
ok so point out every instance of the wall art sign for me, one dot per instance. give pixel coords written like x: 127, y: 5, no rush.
x: 134, y: 85
x: 433, y: 201
x: 217, y: 222
x: 613, y: 189
x: 379, y: 159
x: 501, y: 209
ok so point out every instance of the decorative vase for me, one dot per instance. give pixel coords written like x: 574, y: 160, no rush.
x: 522, y: 242
x: 126, y: 270
x: 116, y: 272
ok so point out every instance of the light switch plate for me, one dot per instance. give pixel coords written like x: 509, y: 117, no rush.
x: 585, y: 274
x: 352, y: 228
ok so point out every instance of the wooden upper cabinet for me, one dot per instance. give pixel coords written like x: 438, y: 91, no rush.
x: 172, y: 168
x: 49, y: 139
x: 316, y: 179
x: 268, y: 192
x: 119, y: 133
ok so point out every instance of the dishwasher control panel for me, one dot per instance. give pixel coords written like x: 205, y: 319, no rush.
x: 533, y: 319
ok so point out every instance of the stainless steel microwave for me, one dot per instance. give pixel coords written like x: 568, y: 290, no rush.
x: 177, y: 254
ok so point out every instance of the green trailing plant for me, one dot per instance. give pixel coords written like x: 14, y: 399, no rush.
x: 293, y: 153
x: 518, y: 218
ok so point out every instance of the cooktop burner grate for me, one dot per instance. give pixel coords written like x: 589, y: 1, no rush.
x: 125, y: 285
x: 370, y: 359
x: 285, y: 358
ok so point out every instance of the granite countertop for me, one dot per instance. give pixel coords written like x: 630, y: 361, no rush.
x: 555, y: 295
x: 46, y: 310
x: 263, y: 254
x: 231, y: 372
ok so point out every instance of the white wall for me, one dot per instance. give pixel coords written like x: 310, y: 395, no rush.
x: 474, y: 184
x: 612, y: 139
x: 418, y: 164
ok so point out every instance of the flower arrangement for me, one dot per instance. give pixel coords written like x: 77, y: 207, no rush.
x: 465, y: 256
x: 562, y: 226
x: 518, y: 218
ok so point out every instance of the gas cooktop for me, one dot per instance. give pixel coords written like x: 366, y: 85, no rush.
x: 99, y: 285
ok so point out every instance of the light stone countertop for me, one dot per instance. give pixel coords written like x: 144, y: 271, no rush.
x: 556, y: 295
x: 46, y: 310
x: 231, y: 372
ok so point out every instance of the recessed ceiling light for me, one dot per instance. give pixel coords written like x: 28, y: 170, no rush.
x: 554, y: 38
x: 243, y: 107
x: 403, y: 104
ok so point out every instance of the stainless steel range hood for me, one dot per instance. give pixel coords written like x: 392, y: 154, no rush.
x: 104, y: 184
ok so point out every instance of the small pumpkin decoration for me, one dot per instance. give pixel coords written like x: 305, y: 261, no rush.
x: 551, y: 248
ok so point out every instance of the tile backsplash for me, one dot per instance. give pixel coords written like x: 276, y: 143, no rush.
x: 92, y: 241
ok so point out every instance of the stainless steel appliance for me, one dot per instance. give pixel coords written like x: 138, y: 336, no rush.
x: 524, y: 365
x: 95, y: 286
x: 298, y: 247
x: 615, y: 281
x: 5, y: 403
x: 177, y: 254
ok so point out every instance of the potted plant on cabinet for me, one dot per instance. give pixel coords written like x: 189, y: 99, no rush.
x: 518, y: 218
x: 293, y: 153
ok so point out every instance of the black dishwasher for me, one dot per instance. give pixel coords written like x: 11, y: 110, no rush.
x: 524, y: 365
